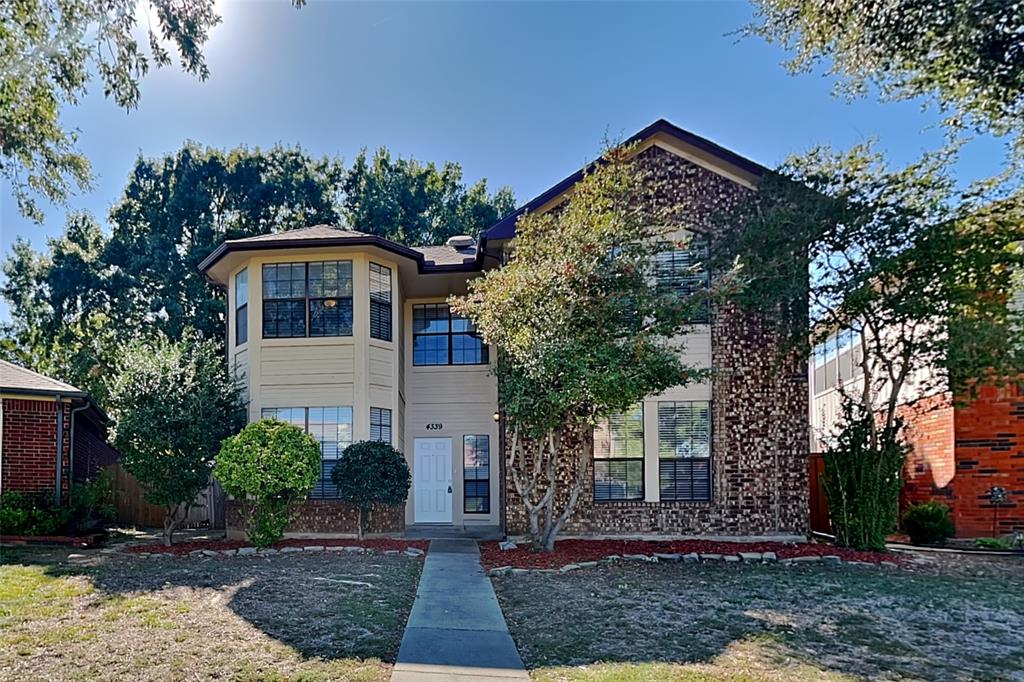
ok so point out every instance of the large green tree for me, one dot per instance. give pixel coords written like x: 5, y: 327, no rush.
x: 418, y: 203
x: 967, y: 56
x: 580, y: 331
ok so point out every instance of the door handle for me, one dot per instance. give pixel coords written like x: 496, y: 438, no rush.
x: 449, y: 490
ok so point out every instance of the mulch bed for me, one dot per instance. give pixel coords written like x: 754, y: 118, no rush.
x: 74, y: 540
x: 379, y: 544
x: 575, y: 551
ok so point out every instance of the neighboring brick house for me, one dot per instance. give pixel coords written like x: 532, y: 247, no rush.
x: 959, y: 449
x: 34, y: 409
x: 348, y: 335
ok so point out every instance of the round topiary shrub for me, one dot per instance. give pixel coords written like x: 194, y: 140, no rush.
x: 928, y: 523
x: 267, y: 467
x: 371, y: 472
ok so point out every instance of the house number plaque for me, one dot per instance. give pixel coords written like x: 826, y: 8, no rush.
x: 435, y: 427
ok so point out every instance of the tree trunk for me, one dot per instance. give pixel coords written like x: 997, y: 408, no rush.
x: 360, y: 533
x: 172, y: 521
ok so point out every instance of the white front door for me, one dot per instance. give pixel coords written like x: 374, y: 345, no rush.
x: 432, y: 461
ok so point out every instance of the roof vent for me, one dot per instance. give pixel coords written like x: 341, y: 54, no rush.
x: 461, y: 241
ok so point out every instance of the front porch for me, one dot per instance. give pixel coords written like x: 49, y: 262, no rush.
x: 447, y: 531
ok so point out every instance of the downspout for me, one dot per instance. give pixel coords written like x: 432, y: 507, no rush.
x: 1, y: 444
x: 60, y: 448
x: 502, y: 517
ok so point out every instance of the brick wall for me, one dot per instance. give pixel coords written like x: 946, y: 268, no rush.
x: 760, y: 423
x: 30, y: 445
x: 930, y: 467
x: 92, y: 451
x: 331, y: 517
x: 989, y: 435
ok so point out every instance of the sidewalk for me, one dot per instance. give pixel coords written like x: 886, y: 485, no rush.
x: 456, y: 629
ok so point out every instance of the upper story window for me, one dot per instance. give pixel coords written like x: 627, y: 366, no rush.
x: 619, y: 456
x: 380, y: 302
x: 307, y: 299
x: 242, y: 306
x: 837, y: 360
x: 441, y: 337
x: 686, y: 272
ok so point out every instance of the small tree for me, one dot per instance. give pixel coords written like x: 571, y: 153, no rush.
x: 267, y: 467
x: 580, y: 331
x: 371, y: 472
x: 174, y: 403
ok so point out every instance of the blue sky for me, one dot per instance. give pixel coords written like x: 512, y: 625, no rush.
x: 519, y: 92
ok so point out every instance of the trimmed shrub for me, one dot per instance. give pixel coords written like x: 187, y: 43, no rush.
x: 267, y: 467
x: 862, y: 481
x: 31, y: 514
x: 928, y: 523
x: 371, y: 472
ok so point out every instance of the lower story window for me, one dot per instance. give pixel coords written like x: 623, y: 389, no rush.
x: 619, y: 457
x: 476, y: 474
x: 380, y: 424
x: 684, y: 450
x: 332, y: 428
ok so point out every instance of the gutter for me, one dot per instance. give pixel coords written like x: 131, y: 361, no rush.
x: 60, y: 447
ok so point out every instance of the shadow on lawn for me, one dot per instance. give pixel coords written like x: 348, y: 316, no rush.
x: 325, y: 606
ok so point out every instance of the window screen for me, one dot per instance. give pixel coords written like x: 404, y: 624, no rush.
x: 441, y: 337
x: 380, y: 302
x: 684, y: 450
x: 619, y: 457
x: 476, y: 474
x: 307, y: 299
x: 332, y: 428
x: 686, y: 272
x: 380, y: 424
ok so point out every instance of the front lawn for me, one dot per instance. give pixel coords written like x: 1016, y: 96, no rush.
x: 324, y: 616
x: 715, y: 621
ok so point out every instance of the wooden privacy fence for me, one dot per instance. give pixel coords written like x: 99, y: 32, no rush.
x: 133, y: 510
x: 819, y: 505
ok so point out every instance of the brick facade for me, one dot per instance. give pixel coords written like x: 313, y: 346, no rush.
x: 330, y: 517
x: 30, y: 445
x: 759, y: 410
x: 960, y: 451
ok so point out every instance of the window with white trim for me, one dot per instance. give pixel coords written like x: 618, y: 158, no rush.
x: 476, y: 474
x: 307, y: 299
x: 380, y: 424
x: 380, y: 302
x: 241, y: 306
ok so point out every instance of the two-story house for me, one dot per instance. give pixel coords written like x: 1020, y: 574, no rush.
x: 348, y: 335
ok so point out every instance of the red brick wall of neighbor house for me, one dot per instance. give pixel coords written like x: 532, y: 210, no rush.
x: 930, y: 467
x: 30, y: 445
x: 989, y: 434
x: 760, y: 421
x: 331, y: 517
x: 92, y: 451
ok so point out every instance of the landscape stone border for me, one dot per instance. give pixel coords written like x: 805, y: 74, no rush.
x: 268, y: 551
x: 760, y: 558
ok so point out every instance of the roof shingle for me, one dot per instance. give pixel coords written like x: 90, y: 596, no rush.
x: 18, y: 379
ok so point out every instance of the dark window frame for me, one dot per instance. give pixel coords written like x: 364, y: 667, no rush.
x: 308, y: 301
x: 697, y: 471
x: 474, y: 483
x: 324, y: 488
x: 381, y: 302
x: 450, y: 334
x: 626, y: 461
x: 242, y: 310
x: 377, y: 420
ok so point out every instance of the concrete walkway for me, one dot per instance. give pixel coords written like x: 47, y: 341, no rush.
x: 456, y: 630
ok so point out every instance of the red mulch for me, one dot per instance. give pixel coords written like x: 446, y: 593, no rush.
x: 74, y: 540
x: 381, y: 545
x: 575, y: 551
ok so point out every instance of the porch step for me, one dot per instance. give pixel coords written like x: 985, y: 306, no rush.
x: 428, y: 531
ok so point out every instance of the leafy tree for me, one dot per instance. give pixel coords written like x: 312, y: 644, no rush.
x: 920, y: 274
x: 416, y: 203
x: 174, y: 403
x: 50, y: 50
x: 579, y: 331
x: 371, y: 472
x: 968, y: 57
x: 267, y: 467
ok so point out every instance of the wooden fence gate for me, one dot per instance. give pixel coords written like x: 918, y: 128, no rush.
x: 819, y: 505
x: 133, y: 510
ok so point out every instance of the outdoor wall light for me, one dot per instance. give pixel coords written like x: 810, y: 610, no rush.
x: 497, y: 416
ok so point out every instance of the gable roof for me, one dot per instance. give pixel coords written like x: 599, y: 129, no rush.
x: 427, y: 258
x: 16, y: 379
x: 506, y: 227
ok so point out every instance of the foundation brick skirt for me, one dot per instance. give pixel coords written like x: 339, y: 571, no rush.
x: 330, y: 516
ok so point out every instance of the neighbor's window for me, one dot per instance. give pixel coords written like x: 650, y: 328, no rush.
x: 441, y: 337
x: 380, y: 424
x: 476, y: 474
x: 332, y: 428
x: 241, y: 306
x: 684, y: 450
x: 307, y: 299
x: 619, y: 457
x: 380, y: 302
x: 686, y: 272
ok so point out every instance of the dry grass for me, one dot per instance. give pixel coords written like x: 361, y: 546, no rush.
x: 734, y: 622
x: 329, y: 616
